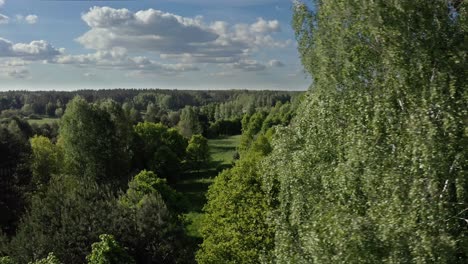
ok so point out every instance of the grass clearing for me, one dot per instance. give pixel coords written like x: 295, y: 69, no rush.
x: 194, y: 185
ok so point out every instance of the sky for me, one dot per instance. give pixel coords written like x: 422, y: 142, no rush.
x: 167, y: 44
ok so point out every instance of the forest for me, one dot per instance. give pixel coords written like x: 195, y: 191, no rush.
x: 367, y: 166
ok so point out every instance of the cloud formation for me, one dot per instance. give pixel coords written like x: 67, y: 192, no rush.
x: 29, y: 19
x: 118, y: 58
x: 189, y: 40
x: 35, y: 50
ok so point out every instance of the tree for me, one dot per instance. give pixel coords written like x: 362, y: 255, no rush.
x: 46, y: 160
x: 153, y: 233
x: 95, y: 142
x: 160, y: 149
x: 65, y: 219
x: 189, y: 124
x: 198, y: 152
x: 374, y: 168
x: 15, y: 175
x: 50, y: 109
x: 235, y: 228
x: 108, y: 251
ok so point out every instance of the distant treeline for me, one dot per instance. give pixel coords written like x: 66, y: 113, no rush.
x: 211, y: 113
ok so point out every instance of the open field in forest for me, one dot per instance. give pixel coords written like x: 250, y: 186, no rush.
x: 195, y: 184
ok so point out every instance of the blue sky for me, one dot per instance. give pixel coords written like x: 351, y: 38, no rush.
x: 171, y: 44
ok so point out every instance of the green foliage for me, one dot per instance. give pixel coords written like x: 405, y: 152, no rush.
x: 15, y: 175
x: 160, y: 149
x: 198, y: 152
x: 50, y: 259
x: 46, y: 160
x: 374, y: 168
x: 234, y: 227
x: 6, y: 260
x: 152, y: 232
x: 189, y: 124
x: 95, y: 141
x: 108, y: 251
x: 147, y: 183
x: 65, y: 219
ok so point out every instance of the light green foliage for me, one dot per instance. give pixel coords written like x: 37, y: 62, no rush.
x: 147, y: 183
x: 374, y: 168
x: 6, y: 260
x: 189, y: 124
x: 235, y: 229
x: 50, y: 259
x: 251, y: 125
x: 198, y: 152
x: 95, y: 141
x: 108, y: 251
x: 161, y: 149
x: 46, y: 160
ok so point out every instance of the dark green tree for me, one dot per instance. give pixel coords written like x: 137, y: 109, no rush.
x: 15, y: 175
x: 95, y: 141
x: 198, y: 152
x: 160, y: 149
x: 151, y: 231
x: 65, y: 219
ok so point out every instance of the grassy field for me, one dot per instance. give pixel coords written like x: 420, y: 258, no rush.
x: 194, y: 185
x: 46, y: 120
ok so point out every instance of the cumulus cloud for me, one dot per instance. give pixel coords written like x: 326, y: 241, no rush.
x: 29, y: 19
x: 4, y: 19
x: 189, y: 40
x: 35, y: 50
x: 263, y: 26
x: 2, y: 2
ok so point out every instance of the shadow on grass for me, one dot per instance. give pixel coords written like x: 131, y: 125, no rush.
x: 222, y: 148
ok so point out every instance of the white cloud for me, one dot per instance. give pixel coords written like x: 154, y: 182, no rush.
x: 2, y: 2
x: 118, y: 58
x: 35, y: 50
x: 4, y: 19
x: 249, y: 65
x: 189, y: 40
x: 31, y: 19
x: 263, y: 26
x: 275, y: 63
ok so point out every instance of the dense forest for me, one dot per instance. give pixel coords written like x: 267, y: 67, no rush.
x: 368, y: 166
x: 89, y: 174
